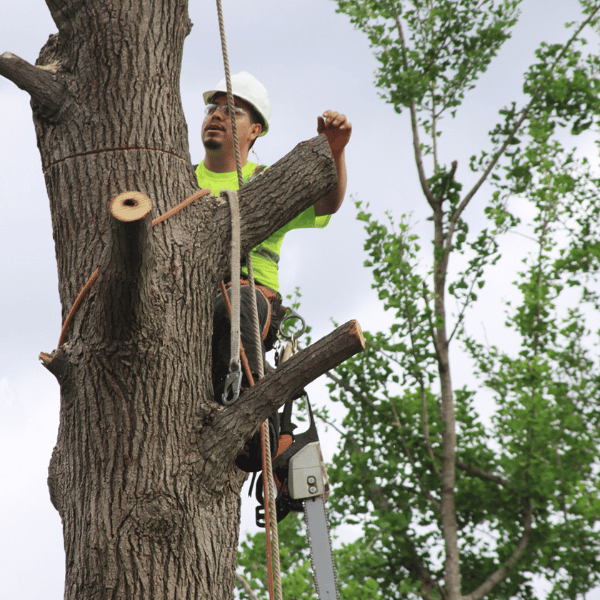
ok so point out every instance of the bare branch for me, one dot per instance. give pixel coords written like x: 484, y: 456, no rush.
x: 39, y: 82
x: 501, y: 573
x: 244, y: 583
x: 524, y: 114
x: 413, y: 119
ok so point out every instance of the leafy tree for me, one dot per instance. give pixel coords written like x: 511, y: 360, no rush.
x: 453, y: 505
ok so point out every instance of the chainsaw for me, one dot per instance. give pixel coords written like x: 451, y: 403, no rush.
x: 303, y: 486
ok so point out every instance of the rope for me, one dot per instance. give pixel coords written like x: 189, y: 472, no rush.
x: 270, y: 498
x: 243, y: 356
x: 90, y: 281
x: 235, y: 279
x: 230, y: 102
x: 269, y: 486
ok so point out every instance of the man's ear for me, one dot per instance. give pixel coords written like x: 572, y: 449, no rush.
x: 255, y: 130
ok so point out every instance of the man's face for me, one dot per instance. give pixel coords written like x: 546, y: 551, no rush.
x: 216, y: 128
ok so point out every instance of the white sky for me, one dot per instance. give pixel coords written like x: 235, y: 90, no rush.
x: 310, y: 59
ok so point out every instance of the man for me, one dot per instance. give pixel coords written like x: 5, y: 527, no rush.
x: 218, y: 171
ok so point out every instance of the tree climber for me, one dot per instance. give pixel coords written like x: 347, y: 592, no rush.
x: 218, y: 171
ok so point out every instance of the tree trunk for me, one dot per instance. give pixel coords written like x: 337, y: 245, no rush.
x: 148, y: 493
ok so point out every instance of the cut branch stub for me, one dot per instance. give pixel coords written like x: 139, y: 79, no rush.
x: 130, y: 206
x: 125, y: 272
x: 40, y: 83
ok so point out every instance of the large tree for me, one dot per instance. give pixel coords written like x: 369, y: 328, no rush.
x: 453, y: 504
x: 143, y: 474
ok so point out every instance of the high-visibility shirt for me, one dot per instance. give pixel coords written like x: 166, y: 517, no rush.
x: 265, y: 257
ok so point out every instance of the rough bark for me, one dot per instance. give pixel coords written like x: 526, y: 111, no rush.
x: 149, y: 497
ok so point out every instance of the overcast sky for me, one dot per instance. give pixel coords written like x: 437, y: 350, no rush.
x: 311, y: 60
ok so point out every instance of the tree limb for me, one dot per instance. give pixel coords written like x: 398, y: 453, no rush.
x: 244, y: 583
x: 501, y: 573
x: 524, y: 114
x: 277, y: 387
x: 39, y: 82
x: 270, y: 201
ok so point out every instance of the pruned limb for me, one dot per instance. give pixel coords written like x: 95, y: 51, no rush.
x: 39, y: 82
x: 284, y: 383
x: 124, y: 275
x: 268, y: 202
x: 56, y: 362
x: 501, y: 573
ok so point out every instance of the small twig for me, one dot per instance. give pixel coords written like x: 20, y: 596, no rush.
x: 244, y: 583
x: 522, y: 235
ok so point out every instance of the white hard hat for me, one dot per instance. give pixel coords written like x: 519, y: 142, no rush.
x: 246, y: 87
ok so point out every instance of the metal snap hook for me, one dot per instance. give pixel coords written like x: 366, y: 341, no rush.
x: 233, y: 385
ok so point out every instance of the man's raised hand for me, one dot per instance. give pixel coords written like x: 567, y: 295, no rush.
x: 336, y: 128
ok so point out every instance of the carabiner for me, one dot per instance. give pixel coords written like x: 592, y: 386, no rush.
x: 233, y: 385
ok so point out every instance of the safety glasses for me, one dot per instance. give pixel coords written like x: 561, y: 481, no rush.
x: 212, y: 108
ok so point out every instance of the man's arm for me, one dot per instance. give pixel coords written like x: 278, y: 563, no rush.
x: 337, y: 130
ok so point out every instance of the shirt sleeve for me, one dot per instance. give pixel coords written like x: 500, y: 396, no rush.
x: 307, y: 220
